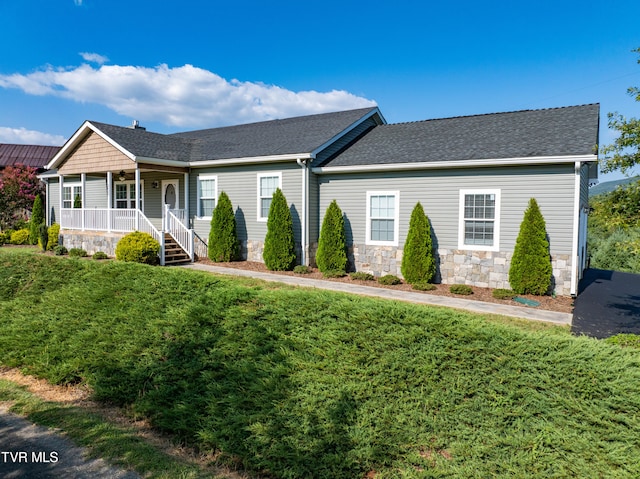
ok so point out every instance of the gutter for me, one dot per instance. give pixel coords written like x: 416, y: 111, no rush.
x: 304, y: 227
x: 576, y: 230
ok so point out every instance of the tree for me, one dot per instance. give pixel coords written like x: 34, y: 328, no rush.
x: 624, y: 153
x: 19, y: 186
x: 223, y: 240
x: 332, y: 244
x: 279, y: 244
x: 530, y: 271
x: 418, y: 261
x: 37, y: 218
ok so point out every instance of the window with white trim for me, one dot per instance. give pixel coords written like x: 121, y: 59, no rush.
x: 125, y: 195
x: 267, y: 185
x: 382, y: 217
x: 69, y: 195
x: 479, y: 220
x: 207, y: 195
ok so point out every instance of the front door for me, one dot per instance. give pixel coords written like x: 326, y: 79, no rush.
x: 170, y: 194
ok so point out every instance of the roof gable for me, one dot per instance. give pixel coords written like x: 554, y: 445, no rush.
x: 555, y: 132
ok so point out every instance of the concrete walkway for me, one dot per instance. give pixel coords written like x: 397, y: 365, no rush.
x: 420, y: 298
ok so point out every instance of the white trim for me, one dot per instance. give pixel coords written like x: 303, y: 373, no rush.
x: 170, y: 181
x: 71, y: 184
x: 128, y: 182
x: 496, y: 220
x: 304, y: 227
x: 273, y: 174
x: 425, y: 165
x: 396, y: 218
x: 576, y: 230
x: 205, y: 176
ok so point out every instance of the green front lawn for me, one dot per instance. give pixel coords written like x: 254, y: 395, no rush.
x: 306, y: 383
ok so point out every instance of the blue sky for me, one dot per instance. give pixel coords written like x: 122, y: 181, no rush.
x: 177, y: 66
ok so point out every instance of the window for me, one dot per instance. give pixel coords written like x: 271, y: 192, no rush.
x: 382, y: 217
x: 479, y: 220
x: 125, y: 194
x: 207, y: 195
x: 69, y: 195
x: 267, y: 185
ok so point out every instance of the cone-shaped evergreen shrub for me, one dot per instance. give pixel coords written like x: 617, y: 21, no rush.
x: 223, y: 240
x: 37, y: 218
x: 530, y: 270
x: 332, y: 245
x: 279, y: 245
x: 43, y: 232
x: 418, y: 261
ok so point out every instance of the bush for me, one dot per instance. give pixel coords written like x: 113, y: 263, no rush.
x: 625, y: 340
x: 618, y: 250
x: 54, y: 234
x: 423, y: 286
x: 362, y: 276
x: 461, y: 289
x: 100, y: 255
x: 418, y: 261
x: 77, y: 253
x: 3, y: 238
x: 43, y: 240
x: 59, y: 250
x: 223, y: 240
x: 334, y: 273
x: 389, y: 280
x: 279, y: 244
x: 37, y: 218
x: 503, y: 293
x: 530, y: 270
x: 302, y: 269
x: 138, y: 247
x: 332, y: 244
x: 20, y: 236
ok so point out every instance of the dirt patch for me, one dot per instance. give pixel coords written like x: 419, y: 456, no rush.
x: 561, y: 304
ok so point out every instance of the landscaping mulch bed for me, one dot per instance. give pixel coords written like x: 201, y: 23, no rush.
x: 562, y: 304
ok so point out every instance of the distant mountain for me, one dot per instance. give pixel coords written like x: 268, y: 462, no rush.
x: 609, y: 186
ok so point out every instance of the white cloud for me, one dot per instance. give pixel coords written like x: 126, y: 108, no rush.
x: 22, y: 136
x: 184, y: 96
x: 94, y: 58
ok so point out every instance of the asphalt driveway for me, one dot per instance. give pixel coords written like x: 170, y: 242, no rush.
x: 608, y: 303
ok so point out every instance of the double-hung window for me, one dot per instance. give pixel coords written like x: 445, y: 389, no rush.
x: 382, y: 217
x: 479, y: 220
x: 125, y: 195
x: 267, y: 185
x: 72, y: 196
x: 207, y: 195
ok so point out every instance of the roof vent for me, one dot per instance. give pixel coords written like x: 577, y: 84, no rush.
x: 135, y: 124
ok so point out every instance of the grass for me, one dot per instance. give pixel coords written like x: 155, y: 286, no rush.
x: 307, y: 383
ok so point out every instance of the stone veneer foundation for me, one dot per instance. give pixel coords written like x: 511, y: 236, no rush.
x: 90, y: 241
x: 484, y: 269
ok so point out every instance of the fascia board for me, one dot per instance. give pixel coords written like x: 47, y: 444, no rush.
x: 542, y: 160
x: 249, y: 160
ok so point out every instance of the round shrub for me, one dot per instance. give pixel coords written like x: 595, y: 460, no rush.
x: 100, y: 255
x: 423, y: 286
x: 138, y: 247
x: 362, y: 276
x: 302, y: 269
x: 59, y: 250
x: 20, y: 236
x: 418, y: 260
x: 77, y: 253
x: 54, y: 234
x: 279, y: 245
x: 3, y: 238
x: 503, y: 293
x: 332, y: 244
x: 389, y: 280
x: 461, y: 289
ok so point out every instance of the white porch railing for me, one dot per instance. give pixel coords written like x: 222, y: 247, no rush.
x: 175, y: 226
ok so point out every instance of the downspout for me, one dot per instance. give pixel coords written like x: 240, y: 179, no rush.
x: 576, y: 230
x: 304, y: 233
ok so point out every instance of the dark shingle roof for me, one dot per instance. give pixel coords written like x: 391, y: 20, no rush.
x: 36, y: 156
x: 520, y: 134
x: 302, y: 134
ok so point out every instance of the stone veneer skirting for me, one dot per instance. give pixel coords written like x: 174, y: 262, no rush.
x: 91, y: 242
x: 485, y: 269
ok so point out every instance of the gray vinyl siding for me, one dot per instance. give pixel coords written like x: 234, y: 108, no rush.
x: 153, y: 196
x: 241, y: 184
x: 584, y: 185
x: 53, y: 201
x: 439, y: 192
x: 95, y: 194
x: 315, y: 219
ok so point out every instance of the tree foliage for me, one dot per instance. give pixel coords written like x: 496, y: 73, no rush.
x: 279, y: 244
x: 624, y: 153
x: 530, y: 271
x: 37, y: 218
x: 418, y: 261
x: 332, y: 244
x: 223, y: 240
x: 19, y: 187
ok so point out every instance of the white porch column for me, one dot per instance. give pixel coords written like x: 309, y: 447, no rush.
x: 138, y: 202
x: 109, y: 199
x: 186, y: 199
x: 83, y: 199
x: 61, y: 185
